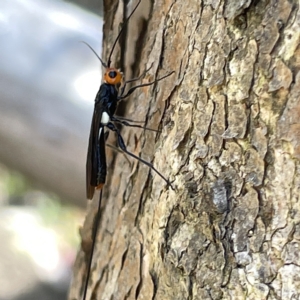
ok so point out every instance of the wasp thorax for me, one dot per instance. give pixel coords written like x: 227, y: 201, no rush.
x: 112, y: 76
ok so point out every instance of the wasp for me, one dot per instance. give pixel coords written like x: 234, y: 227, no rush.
x: 106, y: 103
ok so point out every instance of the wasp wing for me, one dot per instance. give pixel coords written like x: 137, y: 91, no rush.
x: 96, y: 158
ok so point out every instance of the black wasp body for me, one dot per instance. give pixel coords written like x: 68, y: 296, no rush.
x: 105, y: 106
x: 107, y: 99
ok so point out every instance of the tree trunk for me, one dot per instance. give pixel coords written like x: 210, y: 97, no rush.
x: 230, y: 141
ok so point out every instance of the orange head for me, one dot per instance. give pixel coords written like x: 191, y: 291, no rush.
x: 112, y: 76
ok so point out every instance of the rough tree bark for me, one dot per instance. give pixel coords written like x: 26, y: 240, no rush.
x: 230, y: 140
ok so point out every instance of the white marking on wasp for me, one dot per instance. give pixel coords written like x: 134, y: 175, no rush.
x: 100, y: 130
x: 105, y: 118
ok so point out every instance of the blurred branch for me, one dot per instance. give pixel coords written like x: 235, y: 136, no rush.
x: 47, y: 89
x: 44, y: 137
x: 95, y: 6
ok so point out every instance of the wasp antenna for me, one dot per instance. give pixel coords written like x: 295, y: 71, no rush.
x: 119, y: 34
x: 102, y: 62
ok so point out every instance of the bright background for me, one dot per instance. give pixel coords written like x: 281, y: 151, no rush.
x: 48, y: 82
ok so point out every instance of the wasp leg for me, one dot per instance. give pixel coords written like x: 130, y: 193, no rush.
x: 122, y: 145
x: 132, y: 125
x: 129, y: 120
x: 134, y: 79
x: 139, y: 86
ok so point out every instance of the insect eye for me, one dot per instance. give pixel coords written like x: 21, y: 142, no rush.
x: 112, y: 74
